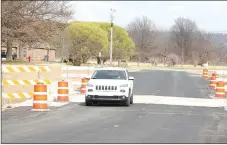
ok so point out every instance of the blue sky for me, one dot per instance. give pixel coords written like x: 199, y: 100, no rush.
x: 209, y: 15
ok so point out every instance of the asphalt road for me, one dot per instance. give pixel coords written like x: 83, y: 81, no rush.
x: 139, y: 123
x: 170, y: 83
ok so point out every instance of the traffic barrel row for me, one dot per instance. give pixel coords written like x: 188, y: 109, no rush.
x: 40, y: 98
x: 206, y: 76
x: 219, y: 85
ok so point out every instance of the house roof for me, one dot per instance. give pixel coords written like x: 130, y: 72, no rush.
x: 42, y: 45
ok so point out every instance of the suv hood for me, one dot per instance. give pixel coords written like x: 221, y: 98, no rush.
x: 107, y: 82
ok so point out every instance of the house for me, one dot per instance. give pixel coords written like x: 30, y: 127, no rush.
x: 38, y: 52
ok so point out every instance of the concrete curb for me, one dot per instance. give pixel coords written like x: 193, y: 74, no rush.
x: 51, y: 102
x: 8, y: 107
x: 212, y: 96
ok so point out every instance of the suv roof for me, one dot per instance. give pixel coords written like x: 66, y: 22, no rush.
x: 112, y: 68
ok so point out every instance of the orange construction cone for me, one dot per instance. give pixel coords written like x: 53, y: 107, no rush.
x: 215, y: 74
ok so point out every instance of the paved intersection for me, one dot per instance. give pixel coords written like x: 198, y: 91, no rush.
x: 171, y: 107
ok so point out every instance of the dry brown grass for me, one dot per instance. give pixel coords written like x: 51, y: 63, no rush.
x: 6, y: 101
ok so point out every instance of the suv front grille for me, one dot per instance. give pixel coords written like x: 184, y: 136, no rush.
x: 106, y: 97
x: 104, y: 87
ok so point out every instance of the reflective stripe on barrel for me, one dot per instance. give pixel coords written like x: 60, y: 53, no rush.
x: 225, y: 82
x: 40, y: 97
x: 63, y: 91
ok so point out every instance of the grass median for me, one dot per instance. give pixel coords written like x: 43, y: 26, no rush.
x: 181, y: 67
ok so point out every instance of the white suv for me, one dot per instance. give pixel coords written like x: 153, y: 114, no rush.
x: 109, y: 85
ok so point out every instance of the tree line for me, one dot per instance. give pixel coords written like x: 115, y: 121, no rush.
x: 30, y: 23
x: 184, y: 43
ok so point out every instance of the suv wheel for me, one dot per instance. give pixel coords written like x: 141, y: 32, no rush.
x: 131, y: 99
x: 127, y: 102
x: 87, y: 103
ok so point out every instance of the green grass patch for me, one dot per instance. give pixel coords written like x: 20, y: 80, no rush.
x: 14, y: 62
x: 24, y: 62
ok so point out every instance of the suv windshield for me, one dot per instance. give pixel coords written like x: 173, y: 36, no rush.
x: 110, y: 74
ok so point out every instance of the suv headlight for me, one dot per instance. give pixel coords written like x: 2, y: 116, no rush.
x: 89, y: 85
x: 124, y: 85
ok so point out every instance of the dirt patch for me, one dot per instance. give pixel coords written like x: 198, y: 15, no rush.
x: 6, y: 101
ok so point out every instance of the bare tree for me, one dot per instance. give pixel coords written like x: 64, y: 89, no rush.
x: 31, y: 21
x: 201, y: 47
x: 143, y: 32
x: 182, y: 33
x: 163, y: 44
x: 62, y: 43
x: 172, y: 59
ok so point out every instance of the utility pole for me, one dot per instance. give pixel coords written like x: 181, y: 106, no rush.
x: 111, y: 34
x: 182, y: 50
x: 63, y: 48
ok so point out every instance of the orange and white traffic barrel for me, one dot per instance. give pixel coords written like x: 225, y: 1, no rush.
x: 63, y: 91
x: 225, y: 82
x: 220, y: 89
x: 213, y: 82
x: 83, y: 86
x: 205, y: 73
x: 40, y: 97
x: 217, y: 76
x: 214, y: 73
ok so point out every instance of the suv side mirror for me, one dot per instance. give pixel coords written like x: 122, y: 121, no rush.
x: 88, y: 77
x: 131, y: 78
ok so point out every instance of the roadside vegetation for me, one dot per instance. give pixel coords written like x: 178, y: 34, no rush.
x: 29, y: 23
